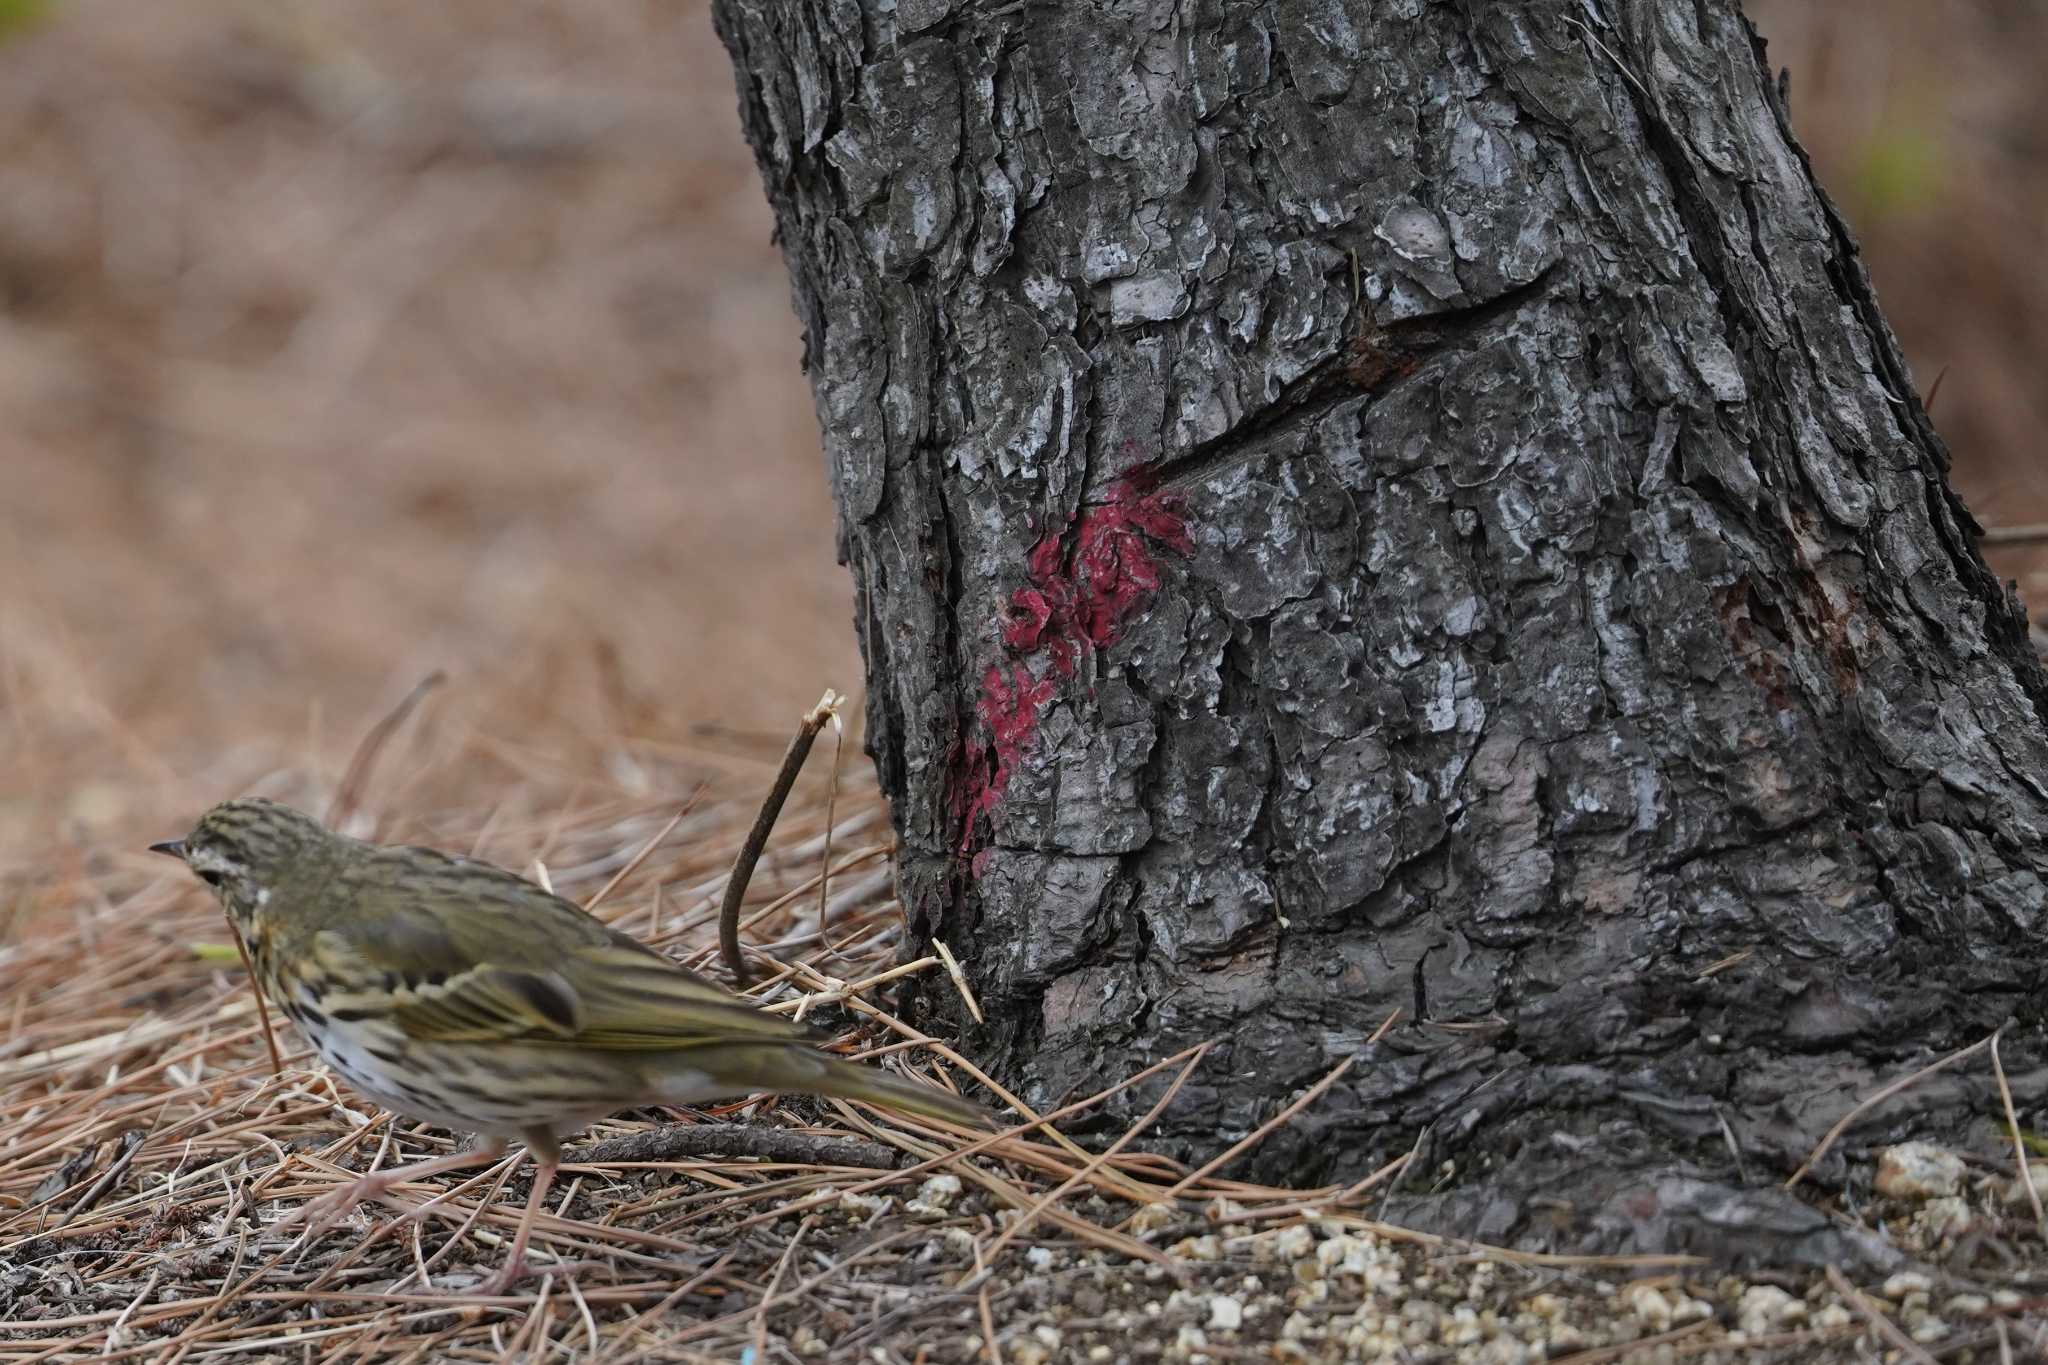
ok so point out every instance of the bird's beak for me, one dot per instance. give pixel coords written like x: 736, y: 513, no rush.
x: 172, y: 848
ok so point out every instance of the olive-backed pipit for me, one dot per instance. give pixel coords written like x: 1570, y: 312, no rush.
x: 455, y: 992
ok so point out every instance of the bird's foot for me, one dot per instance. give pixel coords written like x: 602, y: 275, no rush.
x: 505, y: 1281
x: 509, y: 1275
x: 323, y: 1214
x: 330, y: 1208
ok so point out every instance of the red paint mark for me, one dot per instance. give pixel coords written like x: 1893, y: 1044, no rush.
x: 1082, y: 592
x: 1009, y: 708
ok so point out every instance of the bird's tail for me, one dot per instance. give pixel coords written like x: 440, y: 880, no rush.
x: 857, y: 1081
x: 793, y: 1069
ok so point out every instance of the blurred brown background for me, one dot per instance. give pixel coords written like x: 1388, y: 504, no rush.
x: 341, y: 341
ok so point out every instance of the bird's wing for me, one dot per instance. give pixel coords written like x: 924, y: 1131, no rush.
x: 634, y: 999
x: 481, y: 1002
x: 523, y: 966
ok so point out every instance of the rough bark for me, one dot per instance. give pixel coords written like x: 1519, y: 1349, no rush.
x: 1361, y: 506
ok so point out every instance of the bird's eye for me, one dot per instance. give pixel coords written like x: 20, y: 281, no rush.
x: 212, y: 876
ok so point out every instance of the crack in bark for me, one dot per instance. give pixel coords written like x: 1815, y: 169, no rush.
x: 1373, y: 360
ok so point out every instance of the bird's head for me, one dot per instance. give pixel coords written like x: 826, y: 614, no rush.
x: 243, y: 849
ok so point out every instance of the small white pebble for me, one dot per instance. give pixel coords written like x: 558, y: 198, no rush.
x: 1461, y: 1328
x: 1938, y: 1220
x: 1831, y: 1316
x: 1220, y: 1209
x: 1650, y: 1307
x: 1151, y: 1218
x: 1906, y: 1282
x: 1918, y: 1170
x: 1293, y: 1243
x: 1504, y: 1351
x: 2016, y: 1193
x: 864, y: 1205
x: 1929, y: 1329
x: 1765, y: 1307
x: 1226, y: 1314
x: 1040, y: 1258
x: 934, y: 1202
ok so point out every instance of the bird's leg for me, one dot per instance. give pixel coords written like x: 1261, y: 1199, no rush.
x: 324, y: 1212
x: 547, y: 1155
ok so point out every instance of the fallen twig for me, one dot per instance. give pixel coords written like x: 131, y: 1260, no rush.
x: 680, y: 1140
x: 764, y: 824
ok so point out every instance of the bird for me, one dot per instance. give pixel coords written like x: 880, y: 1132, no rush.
x: 457, y: 993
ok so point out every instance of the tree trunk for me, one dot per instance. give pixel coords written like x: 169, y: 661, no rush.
x: 1371, y: 507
